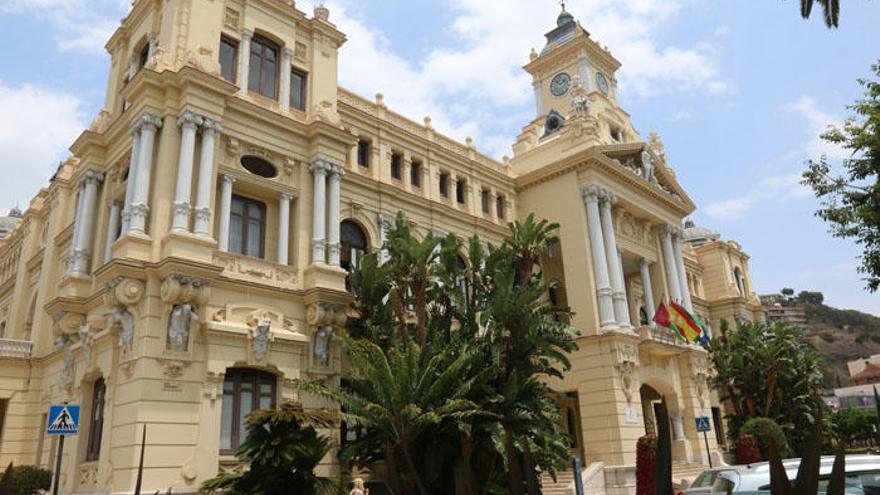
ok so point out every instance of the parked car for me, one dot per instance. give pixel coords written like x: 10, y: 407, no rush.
x: 862, y: 476
x: 704, y: 483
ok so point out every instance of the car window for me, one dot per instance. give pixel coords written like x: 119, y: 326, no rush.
x: 867, y: 483
x: 705, y: 479
x: 723, y: 484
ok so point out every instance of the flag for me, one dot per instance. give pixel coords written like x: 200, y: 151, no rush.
x: 662, y: 318
x: 687, y: 323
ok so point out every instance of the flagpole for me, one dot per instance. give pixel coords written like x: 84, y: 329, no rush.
x: 140, y: 475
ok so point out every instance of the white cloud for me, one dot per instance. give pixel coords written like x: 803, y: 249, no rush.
x: 80, y: 25
x: 32, y: 141
x: 773, y: 188
x: 817, y: 123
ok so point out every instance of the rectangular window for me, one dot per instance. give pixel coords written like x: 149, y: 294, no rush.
x: 363, y: 153
x: 459, y: 191
x: 396, y: 165
x: 298, y: 90
x: 415, y: 174
x: 444, y: 185
x: 244, y: 391
x: 263, y: 72
x: 247, y: 227
x: 228, y: 59
x: 4, y: 404
x: 499, y: 206
x: 484, y: 200
x: 96, y: 421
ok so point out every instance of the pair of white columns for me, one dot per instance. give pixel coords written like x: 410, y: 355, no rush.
x: 81, y: 244
x: 676, y: 275
x: 137, y: 192
x: 284, y: 200
x: 190, y: 123
x: 606, y: 258
x: 325, y: 212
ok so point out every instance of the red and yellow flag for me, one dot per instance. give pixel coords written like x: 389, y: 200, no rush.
x: 681, y: 321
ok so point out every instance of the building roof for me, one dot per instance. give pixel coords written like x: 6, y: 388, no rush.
x: 871, y: 371
x: 696, y: 235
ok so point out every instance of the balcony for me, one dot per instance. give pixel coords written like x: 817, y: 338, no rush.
x: 660, y: 341
x: 16, y: 349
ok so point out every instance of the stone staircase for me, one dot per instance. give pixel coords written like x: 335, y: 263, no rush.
x: 562, y: 486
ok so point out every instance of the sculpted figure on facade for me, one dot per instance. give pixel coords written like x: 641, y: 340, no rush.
x: 262, y: 328
x: 580, y: 102
x: 179, y: 324
x: 121, y: 317
x: 648, y: 167
x: 85, y: 339
x: 321, y: 347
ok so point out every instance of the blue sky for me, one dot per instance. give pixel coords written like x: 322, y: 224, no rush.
x: 739, y: 96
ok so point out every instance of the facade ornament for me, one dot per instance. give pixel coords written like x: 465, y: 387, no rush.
x: 647, y: 167
x: 323, y: 314
x: 580, y: 102
x: 85, y: 339
x: 184, y: 289
x: 121, y: 317
x: 261, y: 332
x: 627, y: 360
x: 321, y: 346
x: 655, y: 145
x: 65, y: 380
x: 67, y: 323
x: 322, y: 13
x: 182, y: 317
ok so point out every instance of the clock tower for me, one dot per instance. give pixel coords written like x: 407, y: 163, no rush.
x: 573, y: 75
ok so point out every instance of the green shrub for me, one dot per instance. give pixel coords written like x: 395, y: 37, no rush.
x: 27, y: 480
x: 862, y: 338
x: 763, y: 429
x: 827, y: 336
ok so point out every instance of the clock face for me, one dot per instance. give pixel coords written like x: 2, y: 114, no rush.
x: 602, y: 83
x: 560, y: 83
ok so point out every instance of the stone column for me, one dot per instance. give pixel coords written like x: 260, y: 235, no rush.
x: 244, y: 59
x: 85, y: 223
x: 590, y: 195
x: 677, y: 427
x: 112, y: 227
x: 189, y: 123
x: 618, y: 294
x: 682, y: 273
x: 627, y: 316
x: 536, y: 85
x: 386, y: 221
x: 140, y: 201
x: 284, y: 228
x: 336, y: 173
x: 648, y: 290
x: 210, y: 128
x: 319, y: 169
x: 132, y: 173
x: 77, y: 217
x: 225, y: 210
x: 672, y: 280
x: 286, y: 57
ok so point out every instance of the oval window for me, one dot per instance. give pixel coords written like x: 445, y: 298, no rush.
x: 258, y: 166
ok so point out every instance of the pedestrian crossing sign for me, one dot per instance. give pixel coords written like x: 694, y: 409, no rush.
x: 63, y: 420
x: 703, y: 423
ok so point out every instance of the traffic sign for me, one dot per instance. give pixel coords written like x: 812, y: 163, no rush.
x: 703, y: 423
x: 63, y: 420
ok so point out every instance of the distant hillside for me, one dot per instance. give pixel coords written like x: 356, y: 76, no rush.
x: 841, y: 335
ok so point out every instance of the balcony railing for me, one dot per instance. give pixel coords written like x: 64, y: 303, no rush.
x: 17, y: 349
x: 659, y: 334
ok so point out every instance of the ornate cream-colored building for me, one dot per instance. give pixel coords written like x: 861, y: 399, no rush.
x: 188, y: 262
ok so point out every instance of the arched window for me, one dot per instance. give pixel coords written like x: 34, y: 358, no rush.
x: 354, y: 245
x: 244, y: 390
x: 96, y: 421
x: 263, y: 73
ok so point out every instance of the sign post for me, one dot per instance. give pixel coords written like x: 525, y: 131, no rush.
x: 703, y: 426
x: 62, y: 420
x: 578, y: 481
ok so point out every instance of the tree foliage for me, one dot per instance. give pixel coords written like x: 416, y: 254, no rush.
x: 282, y: 450
x: 851, y: 197
x: 454, y: 356
x: 830, y: 10
x: 768, y: 371
x: 855, y: 425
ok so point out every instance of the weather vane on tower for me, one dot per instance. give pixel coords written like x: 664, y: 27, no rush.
x: 562, y: 3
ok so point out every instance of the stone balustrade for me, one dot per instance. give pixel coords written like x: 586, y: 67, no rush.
x: 20, y: 349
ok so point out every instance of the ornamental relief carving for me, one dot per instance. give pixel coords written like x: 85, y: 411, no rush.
x: 256, y: 270
x: 245, y: 316
x: 633, y: 229
x: 626, y: 358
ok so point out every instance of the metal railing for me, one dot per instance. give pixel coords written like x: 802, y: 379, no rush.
x: 19, y: 349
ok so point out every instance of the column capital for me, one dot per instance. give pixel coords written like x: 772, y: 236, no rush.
x: 668, y: 229
x: 148, y: 119
x: 592, y: 192
x: 288, y: 52
x: 644, y: 262
x: 336, y: 171
x: 246, y: 34
x: 190, y: 118
x: 608, y: 197
x: 114, y: 203
x: 228, y: 179
x: 286, y: 196
x: 320, y: 167
x: 91, y: 176
x: 210, y: 125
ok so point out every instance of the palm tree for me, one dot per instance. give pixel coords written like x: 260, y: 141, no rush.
x: 398, y: 395
x: 831, y: 9
x: 283, y: 449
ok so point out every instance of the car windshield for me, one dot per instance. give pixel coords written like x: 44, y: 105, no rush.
x: 865, y: 483
x: 705, y: 479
